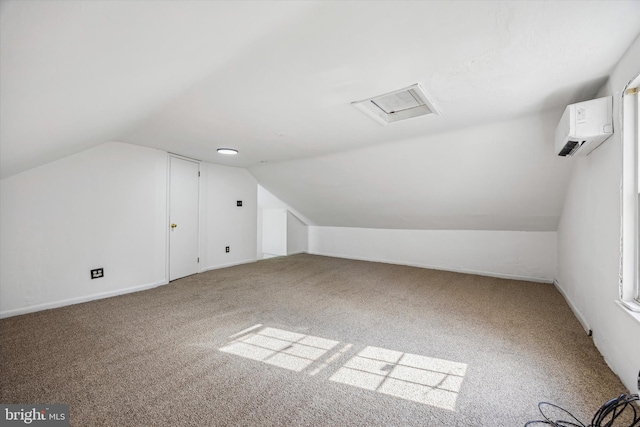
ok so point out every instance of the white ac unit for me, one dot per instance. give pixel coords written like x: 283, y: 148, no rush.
x: 584, y: 126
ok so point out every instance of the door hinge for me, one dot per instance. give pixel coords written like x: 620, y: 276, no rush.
x: 198, y: 173
x: 198, y: 259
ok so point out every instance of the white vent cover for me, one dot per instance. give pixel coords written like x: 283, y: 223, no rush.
x: 399, y: 105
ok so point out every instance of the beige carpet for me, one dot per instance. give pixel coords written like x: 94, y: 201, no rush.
x: 330, y: 342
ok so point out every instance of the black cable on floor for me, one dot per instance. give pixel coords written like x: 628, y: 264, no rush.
x: 606, y: 416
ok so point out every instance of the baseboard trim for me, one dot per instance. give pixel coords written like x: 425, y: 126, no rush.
x: 78, y: 300
x: 576, y: 312
x: 231, y: 264
x: 453, y: 269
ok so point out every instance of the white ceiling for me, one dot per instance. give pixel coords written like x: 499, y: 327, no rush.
x: 500, y: 176
x: 275, y: 80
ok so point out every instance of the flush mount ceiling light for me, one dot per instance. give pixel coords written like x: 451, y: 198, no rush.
x: 399, y: 105
x: 227, y: 151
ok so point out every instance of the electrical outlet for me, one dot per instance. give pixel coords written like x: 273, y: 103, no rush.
x: 239, y: 203
x: 226, y: 249
x: 97, y: 273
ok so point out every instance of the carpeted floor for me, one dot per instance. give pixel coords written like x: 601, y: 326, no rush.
x: 311, y: 341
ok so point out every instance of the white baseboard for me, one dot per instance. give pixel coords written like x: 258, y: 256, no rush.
x: 78, y: 300
x: 453, y: 269
x: 576, y: 312
x: 231, y: 264
x: 92, y: 297
x: 296, y: 253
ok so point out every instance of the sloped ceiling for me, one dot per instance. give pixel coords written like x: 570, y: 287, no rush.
x: 501, y: 176
x: 275, y: 80
x: 75, y: 74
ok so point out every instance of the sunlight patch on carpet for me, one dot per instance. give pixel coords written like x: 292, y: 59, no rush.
x: 285, y: 349
x: 421, y: 379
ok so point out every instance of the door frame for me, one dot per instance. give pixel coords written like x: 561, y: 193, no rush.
x: 168, y: 214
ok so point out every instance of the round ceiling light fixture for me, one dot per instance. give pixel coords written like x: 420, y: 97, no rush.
x: 227, y: 151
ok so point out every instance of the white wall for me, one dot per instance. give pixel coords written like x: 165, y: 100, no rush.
x: 274, y: 232
x: 104, y: 207
x: 509, y: 254
x: 223, y: 222
x: 297, y: 235
x: 107, y: 207
x: 589, y: 241
x: 282, y: 233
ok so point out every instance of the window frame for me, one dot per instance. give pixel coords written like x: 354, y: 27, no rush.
x: 636, y: 131
x: 630, y: 197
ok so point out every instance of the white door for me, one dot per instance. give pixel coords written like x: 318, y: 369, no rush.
x: 183, y: 217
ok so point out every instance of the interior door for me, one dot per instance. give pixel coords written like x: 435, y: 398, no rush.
x: 184, y: 177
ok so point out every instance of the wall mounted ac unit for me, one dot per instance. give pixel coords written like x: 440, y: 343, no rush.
x: 584, y: 126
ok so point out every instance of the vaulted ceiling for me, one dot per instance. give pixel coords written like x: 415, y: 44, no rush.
x: 275, y: 80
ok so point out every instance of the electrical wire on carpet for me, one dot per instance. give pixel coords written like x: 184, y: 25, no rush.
x: 607, y: 416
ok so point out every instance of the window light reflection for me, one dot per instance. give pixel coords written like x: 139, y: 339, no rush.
x: 421, y: 379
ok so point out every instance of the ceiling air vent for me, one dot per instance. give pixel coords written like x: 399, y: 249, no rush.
x: 398, y: 105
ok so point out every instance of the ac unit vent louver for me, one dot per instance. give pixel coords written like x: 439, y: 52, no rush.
x: 584, y: 126
x: 398, y: 105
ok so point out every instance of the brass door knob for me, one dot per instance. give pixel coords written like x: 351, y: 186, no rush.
x: 174, y: 225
